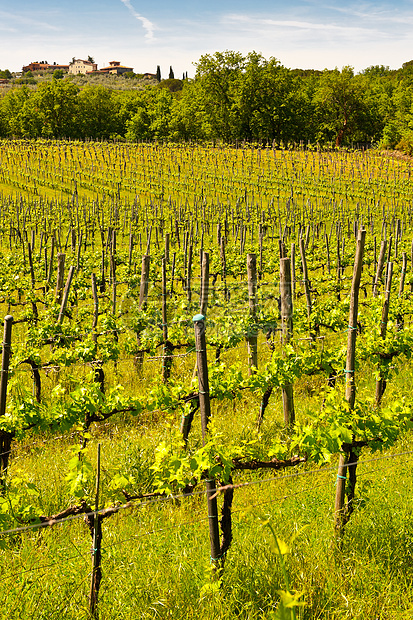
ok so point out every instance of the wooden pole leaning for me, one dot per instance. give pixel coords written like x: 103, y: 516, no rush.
x: 66, y: 295
x: 205, y: 410
x: 350, y: 394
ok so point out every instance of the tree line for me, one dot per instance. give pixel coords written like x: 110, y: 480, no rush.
x: 232, y: 97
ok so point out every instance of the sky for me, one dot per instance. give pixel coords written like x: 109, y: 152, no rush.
x: 145, y: 33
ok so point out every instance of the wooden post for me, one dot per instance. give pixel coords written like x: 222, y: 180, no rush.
x: 292, y: 261
x: 381, y: 382
x: 305, y: 277
x: 327, y: 251
x: 5, y: 437
x: 65, y: 295
x: 411, y: 265
x: 29, y: 253
x: 167, y: 241
x: 338, y: 266
x: 287, y: 332
x: 202, y: 367
x: 189, y: 274
x: 32, y: 278
x: 380, y: 265
x: 252, y: 337
x: 143, y: 291
x: 95, y: 307
x: 204, y: 283
x: 205, y: 410
x: 224, y: 268
x: 96, y: 549
x: 113, y: 270
x: 8, y: 322
x: 350, y: 395
x: 173, y: 272
x: 390, y: 248
x: 102, y: 286
x: 60, y: 277
x: 143, y: 297
x: 400, y: 317
x: 130, y: 250
x: 403, y: 273
x: 79, y: 249
x: 167, y: 358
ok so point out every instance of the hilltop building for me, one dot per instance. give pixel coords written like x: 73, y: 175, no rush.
x: 82, y: 66
x: 79, y: 66
x: 115, y: 68
x: 43, y: 66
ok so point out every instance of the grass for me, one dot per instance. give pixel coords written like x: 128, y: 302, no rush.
x: 156, y: 556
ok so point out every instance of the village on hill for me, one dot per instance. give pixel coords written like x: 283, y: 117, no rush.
x: 85, y: 67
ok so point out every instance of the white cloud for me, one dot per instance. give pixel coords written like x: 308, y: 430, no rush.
x: 373, y: 12
x: 146, y: 24
x: 252, y: 23
x: 26, y: 21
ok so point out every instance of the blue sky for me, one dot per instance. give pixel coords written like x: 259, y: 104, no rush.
x: 143, y: 33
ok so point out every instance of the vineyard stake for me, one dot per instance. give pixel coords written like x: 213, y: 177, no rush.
x: 5, y: 437
x: 204, y: 283
x: 205, y: 410
x: 143, y: 291
x: 95, y: 307
x: 287, y: 332
x: 252, y: 336
x: 350, y: 395
x: 189, y: 274
x: 403, y: 273
x: 327, y: 251
x: 167, y: 240
x: 32, y: 278
x: 380, y: 266
x: 293, y: 270
x: 96, y: 548
x: 65, y: 295
x: 381, y: 383
x: 173, y: 272
x: 224, y: 268
x: 143, y: 297
x: 60, y: 277
x: 305, y: 277
x: 113, y: 270
x: 411, y: 265
x: 167, y: 359
x: 338, y: 266
x: 130, y: 250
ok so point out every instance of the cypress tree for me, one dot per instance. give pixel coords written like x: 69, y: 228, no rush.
x: 158, y: 73
x: 171, y: 74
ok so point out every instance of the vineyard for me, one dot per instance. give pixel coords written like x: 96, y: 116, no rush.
x: 205, y: 398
